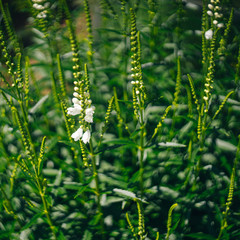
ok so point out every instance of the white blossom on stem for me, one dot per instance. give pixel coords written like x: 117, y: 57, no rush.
x: 76, y: 109
x: 78, y: 134
x: 86, y: 137
x: 209, y: 13
x: 89, y: 114
x: 209, y: 34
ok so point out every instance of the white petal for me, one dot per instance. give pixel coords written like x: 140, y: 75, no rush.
x: 220, y: 25
x: 86, y: 137
x: 78, y: 134
x: 88, y: 118
x: 209, y: 13
x: 76, y: 101
x: 209, y: 34
x: 74, y: 110
x: 89, y: 111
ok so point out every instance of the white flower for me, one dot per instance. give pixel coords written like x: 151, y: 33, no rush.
x: 38, y: 7
x: 90, y: 111
x: 220, y: 25
x: 74, y: 110
x: 205, y: 98
x: 88, y: 118
x: 78, y: 134
x: 215, y: 22
x: 75, y: 94
x: 86, y: 137
x: 37, y: 1
x: 210, y: 6
x: 42, y: 15
x: 209, y: 13
x: 209, y: 34
x: 76, y: 101
x: 89, y: 114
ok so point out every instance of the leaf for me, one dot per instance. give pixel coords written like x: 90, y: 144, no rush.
x: 101, y: 150
x: 109, y: 30
x: 25, y: 234
x: 125, y: 193
x: 171, y: 144
x: 121, y: 142
x: 125, y: 101
x: 95, y: 219
x: 135, y: 177
x: 51, y: 143
x: 72, y: 185
x: 135, y: 133
x: 32, y: 221
x: 61, y: 236
x: 114, y: 181
x: 128, y: 194
x: 71, y: 144
x: 50, y: 172
x: 87, y: 235
x: 225, y: 146
x: 175, y: 226
x: 38, y: 105
x: 9, y: 93
x: 82, y: 190
x: 201, y: 236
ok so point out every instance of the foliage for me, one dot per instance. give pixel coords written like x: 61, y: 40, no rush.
x: 120, y: 122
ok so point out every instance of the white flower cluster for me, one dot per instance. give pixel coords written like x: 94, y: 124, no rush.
x: 85, y: 110
x: 209, y: 34
x: 213, y: 11
x: 41, y: 6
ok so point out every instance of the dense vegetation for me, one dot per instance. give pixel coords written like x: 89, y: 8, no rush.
x: 119, y: 119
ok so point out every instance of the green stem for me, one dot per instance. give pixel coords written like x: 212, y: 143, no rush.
x: 46, y: 208
x: 201, y: 143
x: 27, y: 128
x: 141, y: 152
x: 98, y: 194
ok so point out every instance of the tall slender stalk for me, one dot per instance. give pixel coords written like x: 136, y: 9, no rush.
x: 142, y: 127
x: 98, y: 193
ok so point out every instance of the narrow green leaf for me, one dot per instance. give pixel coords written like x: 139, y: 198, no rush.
x: 87, y: 235
x: 171, y: 144
x: 32, y: 221
x: 9, y: 93
x: 201, y: 236
x: 120, y: 141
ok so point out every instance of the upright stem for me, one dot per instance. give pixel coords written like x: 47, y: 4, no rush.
x: 141, y: 152
x: 201, y: 143
x: 98, y: 195
x: 45, y: 204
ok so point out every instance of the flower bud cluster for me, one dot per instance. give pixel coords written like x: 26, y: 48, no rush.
x: 41, y: 13
x: 214, y: 12
x: 89, y: 29
x: 16, y: 75
x: 41, y: 7
x: 209, y: 78
x: 137, y: 82
x: 136, y: 66
x: 6, y: 55
x: 76, y: 59
x: 82, y: 106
